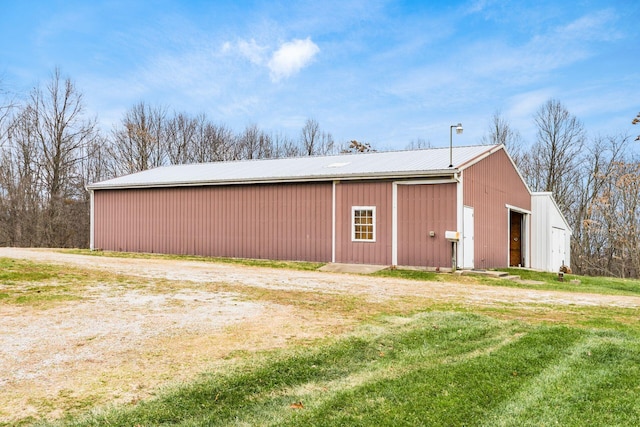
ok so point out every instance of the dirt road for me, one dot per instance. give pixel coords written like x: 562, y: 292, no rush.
x: 121, y: 340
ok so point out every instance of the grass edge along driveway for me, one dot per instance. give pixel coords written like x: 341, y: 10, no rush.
x: 435, y: 368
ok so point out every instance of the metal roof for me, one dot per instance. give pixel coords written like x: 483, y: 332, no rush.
x: 390, y: 164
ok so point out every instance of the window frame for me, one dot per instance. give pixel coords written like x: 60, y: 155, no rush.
x: 354, y: 209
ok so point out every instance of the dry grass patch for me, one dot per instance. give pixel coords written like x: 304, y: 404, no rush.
x: 120, y: 338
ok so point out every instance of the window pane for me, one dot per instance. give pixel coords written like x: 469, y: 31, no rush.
x: 363, y: 224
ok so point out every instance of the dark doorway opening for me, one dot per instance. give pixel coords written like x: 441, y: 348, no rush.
x: 515, y: 239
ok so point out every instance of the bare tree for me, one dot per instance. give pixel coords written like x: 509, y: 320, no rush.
x: 6, y: 107
x: 63, y: 133
x: 501, y: 132
x: 553, y: 161
x: 21, y: 185
x: 212, y: 143
x: 314, y: 141
x: 180, y: 133
x: 139, y: 142
x: 614, y: 224
x: 97, y: 163
x: 309, y: 136
x: 419, y: 144
x: 254, y: 143
x: 286, y: 147
x: 42, y: 183
x: 627, y: 184
x: 595, y: 172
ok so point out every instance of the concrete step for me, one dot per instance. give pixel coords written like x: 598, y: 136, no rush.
x: 491, y: 273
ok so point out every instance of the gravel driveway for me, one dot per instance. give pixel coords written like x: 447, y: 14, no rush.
x: 374, y: 287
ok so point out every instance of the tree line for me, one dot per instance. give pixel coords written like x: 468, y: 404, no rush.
x: 595, y: 181
x: 50, y: 149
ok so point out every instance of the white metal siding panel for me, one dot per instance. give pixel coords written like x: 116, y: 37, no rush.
x: 539, y: 238
x: 545, y: 217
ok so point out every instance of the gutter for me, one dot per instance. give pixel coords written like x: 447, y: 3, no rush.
x: 292, y: 179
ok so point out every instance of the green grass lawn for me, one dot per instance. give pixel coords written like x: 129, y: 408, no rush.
x: 600, y: 285
x: 434, y: 368
x: 28, y: 283
x: 425, y: 365
x: 604, y: 285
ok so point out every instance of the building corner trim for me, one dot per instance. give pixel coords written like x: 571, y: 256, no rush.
x: 91, y: 221
x: 333, y: 222
x: 394, y: 223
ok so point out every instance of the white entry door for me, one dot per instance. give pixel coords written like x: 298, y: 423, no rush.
x: 558, y: 253
x: 467, y: 238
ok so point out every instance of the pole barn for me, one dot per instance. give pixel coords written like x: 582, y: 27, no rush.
x: 401, y: 208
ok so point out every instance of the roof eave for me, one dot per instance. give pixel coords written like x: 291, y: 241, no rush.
x: 316, y: 178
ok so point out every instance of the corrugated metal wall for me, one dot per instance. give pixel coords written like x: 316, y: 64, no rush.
x: 294, y: 221
x: 349, y: 194
x: 540, y: 233
x: 275, y: 221
x: 489, y: 186
x: 422, y: 209
x: 547, y: 222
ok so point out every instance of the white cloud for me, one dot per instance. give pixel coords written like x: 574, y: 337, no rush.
x: 248, y: 49
x: 477, y: 6
x: 524, y: 105
x: 252, y: 51
x: 291, y: 57
x: 282, y: 63
x: 599, y: 25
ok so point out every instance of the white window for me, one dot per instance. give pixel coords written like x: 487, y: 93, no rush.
x: 363, y: 225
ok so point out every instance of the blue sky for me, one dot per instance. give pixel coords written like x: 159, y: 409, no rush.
x: 383, y: 72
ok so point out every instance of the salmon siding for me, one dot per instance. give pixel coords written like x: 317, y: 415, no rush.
x: 379, y: 208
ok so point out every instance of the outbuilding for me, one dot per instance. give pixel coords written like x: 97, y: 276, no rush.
x: 400, y: 208
x: 551, y: 234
